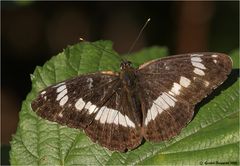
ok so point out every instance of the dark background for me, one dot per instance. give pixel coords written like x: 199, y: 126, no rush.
x: 32, y: 32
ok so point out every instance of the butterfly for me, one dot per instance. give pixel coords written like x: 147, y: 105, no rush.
x: 119, y: 109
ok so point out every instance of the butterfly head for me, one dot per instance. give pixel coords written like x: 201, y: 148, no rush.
x: 126, y: 65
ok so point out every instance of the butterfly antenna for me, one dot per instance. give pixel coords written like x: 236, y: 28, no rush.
x: 100, y: 48
x: 139, y: 34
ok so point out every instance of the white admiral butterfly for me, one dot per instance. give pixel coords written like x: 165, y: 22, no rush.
x: 154, y: 101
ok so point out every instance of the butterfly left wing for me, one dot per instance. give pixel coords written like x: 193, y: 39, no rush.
x: 95, y: 103
x: 172, y: 86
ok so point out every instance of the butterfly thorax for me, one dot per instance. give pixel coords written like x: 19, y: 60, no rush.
x: 127, y: 75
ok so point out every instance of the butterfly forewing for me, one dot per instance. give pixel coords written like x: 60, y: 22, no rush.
x: 173, y: 85
x: 67, y: 102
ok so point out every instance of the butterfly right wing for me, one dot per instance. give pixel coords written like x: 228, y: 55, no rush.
x: 164, y: 115
x: 172, y: 86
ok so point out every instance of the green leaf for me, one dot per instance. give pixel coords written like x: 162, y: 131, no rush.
x: 235, y: 57
x: 212, y: 136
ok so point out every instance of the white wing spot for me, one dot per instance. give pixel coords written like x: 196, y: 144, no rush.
x: 148, y: 118
x: 60, y: 115
x: 176, y: 88
x: 172, y: 94
x: 122, y: 120
x: 110, y: 116
x: 79, y: 105
x: 61, y: 88
x: 88, y: 105
x: 104, y: 115
x: 116, y: 119
x: 63, y: 100
x: 98, y: 116
x: 90, y: 81
x: 45, y: 97
x: 196, y: 59
x: 167, y: 99
x: 206, y: 83
x: 162, y: 103
x: 214, y: 56
x: 198, y: 72
x: 215, y: 61
x: 129, y: 122
x: 152, y: 114
x: 160, y: 110
x: 60, y: 95
x: 92, y: 109
x: 173, y: 98
x: 43, y: 92
x: 198, y: 65
x: 166, y: 67
x: 185, y: 82
x: 153, y: 111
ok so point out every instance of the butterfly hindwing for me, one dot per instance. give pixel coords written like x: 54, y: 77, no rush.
x: 172, y: 86
x: 120, y: 129
x: 165, y: 115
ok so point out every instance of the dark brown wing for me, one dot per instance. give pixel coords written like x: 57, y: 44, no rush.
x: 172, y: 86
x: 95, y: 103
